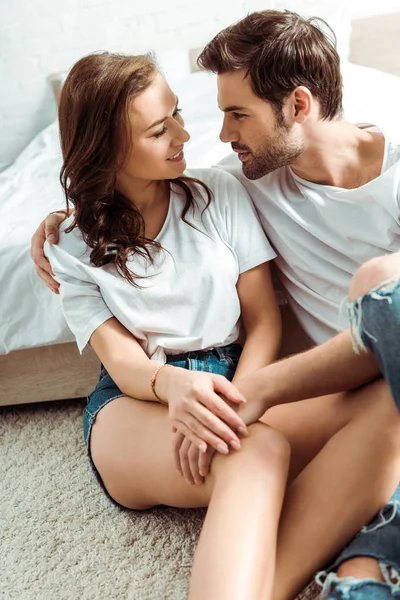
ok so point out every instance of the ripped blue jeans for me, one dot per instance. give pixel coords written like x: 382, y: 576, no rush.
x: 375, y: 325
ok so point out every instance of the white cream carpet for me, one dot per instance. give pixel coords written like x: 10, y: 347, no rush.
x: 61, y: 538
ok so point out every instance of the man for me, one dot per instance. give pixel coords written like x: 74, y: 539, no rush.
x: 327, y: 194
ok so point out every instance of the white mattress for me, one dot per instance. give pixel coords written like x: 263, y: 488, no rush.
x: 31, y: 315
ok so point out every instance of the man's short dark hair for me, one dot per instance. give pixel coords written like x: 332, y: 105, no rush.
x: 280, y: 50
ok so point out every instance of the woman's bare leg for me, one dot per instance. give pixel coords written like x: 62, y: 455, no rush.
x: 345, y: 467
x: 131, y: 446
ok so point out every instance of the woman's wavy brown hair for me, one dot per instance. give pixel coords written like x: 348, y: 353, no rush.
x: 95, y: 141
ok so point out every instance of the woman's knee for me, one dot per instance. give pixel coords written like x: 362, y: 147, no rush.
x: 264, y: 457
x: 372, y: 273
x: 268, y: 446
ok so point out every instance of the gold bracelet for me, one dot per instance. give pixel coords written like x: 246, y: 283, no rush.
x: 153, y: 383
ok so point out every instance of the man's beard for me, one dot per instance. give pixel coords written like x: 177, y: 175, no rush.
x: 280, y: 152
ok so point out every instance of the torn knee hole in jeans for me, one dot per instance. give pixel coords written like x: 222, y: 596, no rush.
x: 390, y: 575
x: 379, y: 540
x: 329, y: 581
x: 353, y: 310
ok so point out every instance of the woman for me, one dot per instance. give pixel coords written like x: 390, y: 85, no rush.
x: 155, y: 269
x: 338, y: 454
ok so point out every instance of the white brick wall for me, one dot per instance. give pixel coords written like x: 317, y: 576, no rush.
x: 39, y: 37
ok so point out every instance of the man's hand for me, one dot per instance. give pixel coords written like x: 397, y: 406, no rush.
x: 47, y: 230
x: 256, y: 390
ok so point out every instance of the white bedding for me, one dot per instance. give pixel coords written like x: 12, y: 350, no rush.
x: 31, y: 315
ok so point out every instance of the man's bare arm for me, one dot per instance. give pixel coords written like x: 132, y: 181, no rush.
x: 325, y: 369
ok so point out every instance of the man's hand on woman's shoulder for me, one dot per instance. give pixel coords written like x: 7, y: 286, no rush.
x: 47, y: 230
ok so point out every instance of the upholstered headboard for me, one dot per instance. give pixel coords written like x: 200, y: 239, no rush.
x: 375, y: 42
x: 56, y: 81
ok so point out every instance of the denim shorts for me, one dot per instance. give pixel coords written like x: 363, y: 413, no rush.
x: 222, y: 361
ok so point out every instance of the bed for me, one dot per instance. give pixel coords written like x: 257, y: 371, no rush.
x: 39, y: 360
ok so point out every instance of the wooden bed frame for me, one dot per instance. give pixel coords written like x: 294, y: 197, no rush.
x: 47, y: 373
x: 58, y: 372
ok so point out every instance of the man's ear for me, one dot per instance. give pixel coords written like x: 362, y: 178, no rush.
x: 301, y: 103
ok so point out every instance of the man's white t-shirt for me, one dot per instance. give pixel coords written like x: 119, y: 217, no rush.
x: 188, y: 298
x: 322, y: 234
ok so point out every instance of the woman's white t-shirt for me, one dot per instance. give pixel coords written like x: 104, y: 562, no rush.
x: 188, y: 298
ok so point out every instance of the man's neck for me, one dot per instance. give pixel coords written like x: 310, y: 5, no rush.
x: 340, y: 154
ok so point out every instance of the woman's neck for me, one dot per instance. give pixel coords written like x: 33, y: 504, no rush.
x: 144, y: 195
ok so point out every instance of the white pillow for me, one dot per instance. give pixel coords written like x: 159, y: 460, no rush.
x: 372, y: 96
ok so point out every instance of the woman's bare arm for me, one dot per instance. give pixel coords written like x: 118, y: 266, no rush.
x: 195, y: 405
x: 261, y: 319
